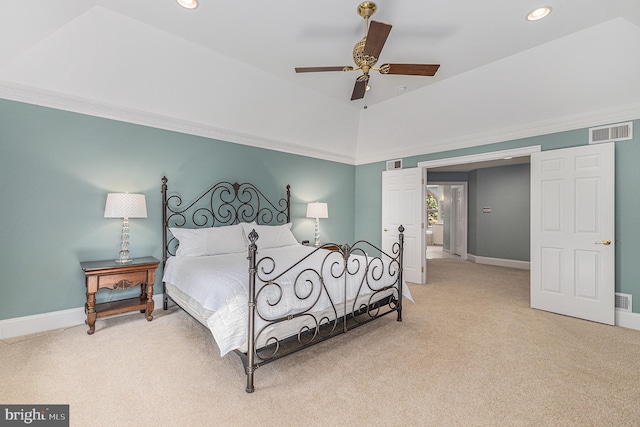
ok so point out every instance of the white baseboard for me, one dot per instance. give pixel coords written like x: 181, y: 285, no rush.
x: 627, y: 319
x: 500, y: 262
x: 38, y: 323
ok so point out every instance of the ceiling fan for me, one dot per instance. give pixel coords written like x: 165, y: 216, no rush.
x: 367, y: 51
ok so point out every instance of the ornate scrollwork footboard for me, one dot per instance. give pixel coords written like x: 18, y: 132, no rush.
x: 324, y: 294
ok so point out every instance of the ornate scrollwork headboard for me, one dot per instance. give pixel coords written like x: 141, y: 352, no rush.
x: 224, y: 203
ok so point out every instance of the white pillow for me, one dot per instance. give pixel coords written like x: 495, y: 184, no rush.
x: 271, y: 236
x: 209, y: 241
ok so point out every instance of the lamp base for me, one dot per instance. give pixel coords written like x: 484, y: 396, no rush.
x: 124, y: 254
x: 317, y: 234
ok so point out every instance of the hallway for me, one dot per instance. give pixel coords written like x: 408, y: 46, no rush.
x: 436, y: 252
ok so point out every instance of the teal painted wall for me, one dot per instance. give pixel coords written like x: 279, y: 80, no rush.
x: 368, y: 198
x: 57, y: 167
x: 506, y: 190
x: 503, y: 232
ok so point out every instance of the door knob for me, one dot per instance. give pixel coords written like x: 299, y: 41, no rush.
x: 604, y: 242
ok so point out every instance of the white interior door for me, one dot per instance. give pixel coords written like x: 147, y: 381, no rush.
x: 404, y: 203
x: 572, y: 232
x: 459, y: 213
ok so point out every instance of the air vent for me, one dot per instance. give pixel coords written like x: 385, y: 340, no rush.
x: 394, y: 164
x: 624, y: 302
x: 619, y: 132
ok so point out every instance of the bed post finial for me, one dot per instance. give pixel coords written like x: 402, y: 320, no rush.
x: 401, y: 263
x: 253, y: 236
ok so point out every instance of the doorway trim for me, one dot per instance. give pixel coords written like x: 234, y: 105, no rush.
x: 480, y: 157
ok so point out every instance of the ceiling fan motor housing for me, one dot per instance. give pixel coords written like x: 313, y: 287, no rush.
x: 365, y: 62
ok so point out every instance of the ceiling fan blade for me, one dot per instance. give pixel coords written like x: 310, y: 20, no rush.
x: 411, y: 69
x: 318, y: 69
x: 376, y: 38
x: 359, y: 89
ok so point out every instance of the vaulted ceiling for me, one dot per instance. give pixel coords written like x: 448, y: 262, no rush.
x: 226, y: 70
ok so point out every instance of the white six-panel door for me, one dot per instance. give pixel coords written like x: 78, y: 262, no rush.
x: 404, y: 203
x: 572, y: 232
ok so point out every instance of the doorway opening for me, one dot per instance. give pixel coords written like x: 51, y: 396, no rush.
x: 446, y: 226
x: 476, y: 161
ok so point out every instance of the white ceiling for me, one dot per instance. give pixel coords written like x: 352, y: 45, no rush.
x: 225, y: 70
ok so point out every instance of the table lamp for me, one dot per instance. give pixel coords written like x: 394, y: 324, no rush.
x: 125, y: 206
x: 317, y: 210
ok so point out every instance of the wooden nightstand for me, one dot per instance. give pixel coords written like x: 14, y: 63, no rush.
x: 110, y: 275
x: 327, y: 246
x: 330, y: 247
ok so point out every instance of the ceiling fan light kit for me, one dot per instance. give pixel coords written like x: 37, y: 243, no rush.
x: 367, y: 52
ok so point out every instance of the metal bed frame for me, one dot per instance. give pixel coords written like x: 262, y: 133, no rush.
x: 226, y: 203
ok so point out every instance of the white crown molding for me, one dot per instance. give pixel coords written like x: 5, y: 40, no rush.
x: 559, y: 124
x: 30, y: 95
x: 45, y: 98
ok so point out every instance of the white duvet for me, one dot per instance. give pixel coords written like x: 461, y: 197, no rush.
x: 216, y: 288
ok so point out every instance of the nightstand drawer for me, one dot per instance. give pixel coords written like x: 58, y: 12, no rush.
x: 122, y: 281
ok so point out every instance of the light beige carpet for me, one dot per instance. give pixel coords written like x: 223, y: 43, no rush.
x: 470, y: 352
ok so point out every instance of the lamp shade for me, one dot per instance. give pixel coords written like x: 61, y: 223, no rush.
x: 125, y: 205
x: 317, y: 210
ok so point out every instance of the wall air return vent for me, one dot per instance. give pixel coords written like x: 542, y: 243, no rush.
x: 394, y: 164
x: 624, y: 302
x: 619, y: 132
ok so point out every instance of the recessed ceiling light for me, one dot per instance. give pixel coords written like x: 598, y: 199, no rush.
x: 189, y: 4
x: 538, y: 13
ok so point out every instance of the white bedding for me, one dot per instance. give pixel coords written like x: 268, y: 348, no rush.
x: 216, y: 289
